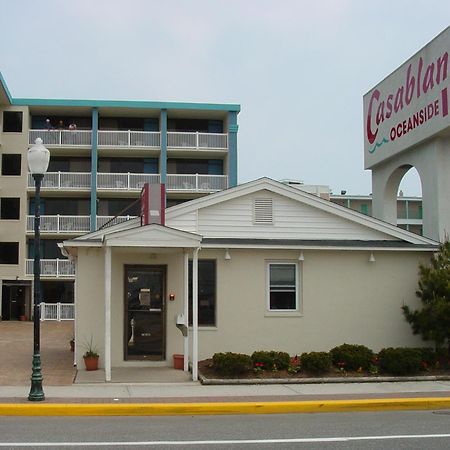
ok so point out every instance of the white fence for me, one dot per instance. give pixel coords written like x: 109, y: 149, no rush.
x: 52, y: 268
x: 197, y: 140
x: 57, y: 311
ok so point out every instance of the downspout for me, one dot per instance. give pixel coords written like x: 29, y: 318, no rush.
x: 195, y: 315
x: 186, y: 310
x: 107, y: 313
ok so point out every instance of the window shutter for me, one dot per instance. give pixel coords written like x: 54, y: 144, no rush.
x: 263, y: 211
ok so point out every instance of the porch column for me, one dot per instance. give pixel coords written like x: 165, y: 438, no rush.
x: 186, y: 309
x: 195, y: 315
x: 107, y: 313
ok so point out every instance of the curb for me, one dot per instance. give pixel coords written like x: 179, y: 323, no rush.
x: 316, y: 380
x: 173, y: 409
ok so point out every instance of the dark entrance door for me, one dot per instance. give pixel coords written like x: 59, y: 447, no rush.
x: 13, y: 301
x: 145, y: 312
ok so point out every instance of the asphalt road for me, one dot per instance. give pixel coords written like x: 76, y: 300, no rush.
x: 381, y: 430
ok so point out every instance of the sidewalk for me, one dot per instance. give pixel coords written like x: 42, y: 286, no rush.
x: 191, y: 398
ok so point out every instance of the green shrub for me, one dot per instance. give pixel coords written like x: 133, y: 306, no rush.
x: 272, y: 360
x: 231, y: 364
x: 400, y: 361
x: 315, y: 362
x: 352, y: 356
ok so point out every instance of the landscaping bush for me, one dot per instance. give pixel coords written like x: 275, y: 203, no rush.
x: 231, y: 363
x: 352, y: 356
x: 315, y: 362
x: 271, y: 360
x: 400, y: 361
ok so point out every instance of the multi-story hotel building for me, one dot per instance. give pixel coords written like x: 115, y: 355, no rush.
x: 101, y: 154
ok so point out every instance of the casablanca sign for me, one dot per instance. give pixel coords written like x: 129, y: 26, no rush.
x: 410, y: 105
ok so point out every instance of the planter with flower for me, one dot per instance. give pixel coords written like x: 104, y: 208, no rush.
x: 91, y: 357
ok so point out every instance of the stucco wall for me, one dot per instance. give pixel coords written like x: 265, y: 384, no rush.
x: 343, y: 298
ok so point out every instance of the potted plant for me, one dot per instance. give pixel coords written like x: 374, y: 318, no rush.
x: 91, y: 357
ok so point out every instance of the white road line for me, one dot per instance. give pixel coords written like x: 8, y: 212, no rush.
x: 222, y: 442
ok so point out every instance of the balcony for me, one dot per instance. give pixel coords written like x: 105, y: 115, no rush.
x: 196, y: 183
x: 59, y: 224
x: 126, y: 181
x: 52, y: 268
x: 64, y: 180
x: 61, y: 138
x: 82, y: 181
x: 196, y: 140
x: 129, y: 138
x: 51, y: 224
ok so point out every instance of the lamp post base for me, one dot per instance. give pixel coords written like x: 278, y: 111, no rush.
x: 36, y: 393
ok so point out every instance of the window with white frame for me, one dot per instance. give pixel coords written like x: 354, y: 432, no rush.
x: 282, y: 286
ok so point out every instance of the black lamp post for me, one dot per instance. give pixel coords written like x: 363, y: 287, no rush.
x: 38, y: 159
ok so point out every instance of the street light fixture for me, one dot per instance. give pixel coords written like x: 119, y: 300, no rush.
x: 38, y: 159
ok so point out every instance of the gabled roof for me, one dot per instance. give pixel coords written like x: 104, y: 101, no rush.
x: 148, y: 236
x: 391, y: 232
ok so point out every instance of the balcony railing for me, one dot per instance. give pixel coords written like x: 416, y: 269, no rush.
x: 101, y: 220
x: 52, y: 268
x: 57, y: 311
x: 126, y: 181
x: 82, y: 181
x: 197, y: 183
x: 129, y: 139
x: 61, y: 224
x: 64, y: 180
x: 197, y: 140
x: 61, y: 138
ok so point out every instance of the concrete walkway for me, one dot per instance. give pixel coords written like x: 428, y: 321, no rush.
x: 16, y: 350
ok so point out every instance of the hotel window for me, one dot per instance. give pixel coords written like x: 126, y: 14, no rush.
x: 206, y: 292
x: 282, y: 286
x: 365, y: 208
x: 11, y: 164
x: 12, y: 121
x: 9, y: 253
x: 9, y: 208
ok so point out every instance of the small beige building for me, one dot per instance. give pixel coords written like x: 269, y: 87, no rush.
x: 262, y: 266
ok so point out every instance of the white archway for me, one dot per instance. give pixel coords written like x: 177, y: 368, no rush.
x: 432, y: 161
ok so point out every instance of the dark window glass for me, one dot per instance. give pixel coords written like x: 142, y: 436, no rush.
x: 11, y: 164
x: 187, y: 166
x: 206, y: 292
x: 114, y: 207
x: 49, y: 249
x: 59, y: 291
x: 9, y: 252
x: 9, y: 208
x: 282, y: 286
x: 12, y: 121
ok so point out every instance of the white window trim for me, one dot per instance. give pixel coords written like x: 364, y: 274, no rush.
x: 276, y: 312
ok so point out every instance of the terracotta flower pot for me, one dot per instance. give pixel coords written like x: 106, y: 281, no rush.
x: 91, y: 362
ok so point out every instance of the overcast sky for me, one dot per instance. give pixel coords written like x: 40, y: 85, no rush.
x: 298, y: 69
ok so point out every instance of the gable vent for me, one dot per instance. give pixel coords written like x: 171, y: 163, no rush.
x: 263, y: 211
